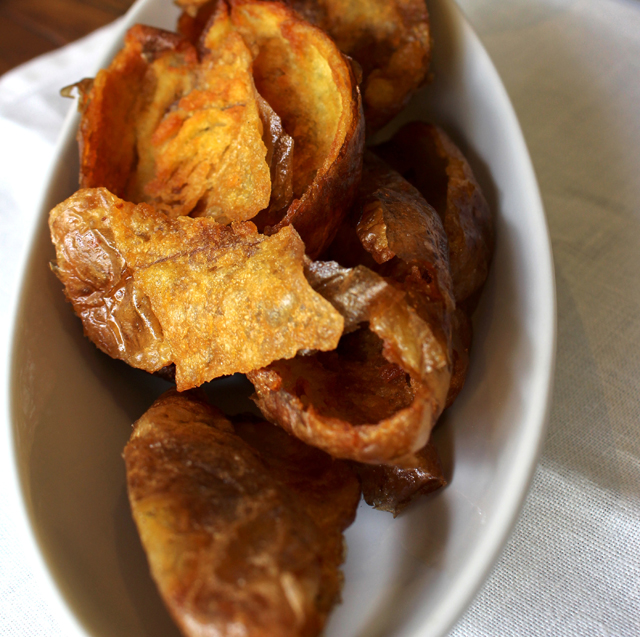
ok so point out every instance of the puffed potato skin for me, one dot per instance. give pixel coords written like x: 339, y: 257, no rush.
x: 213, y: 299
x: 375, y: 399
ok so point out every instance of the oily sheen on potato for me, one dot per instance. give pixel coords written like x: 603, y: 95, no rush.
x: 193, y: 137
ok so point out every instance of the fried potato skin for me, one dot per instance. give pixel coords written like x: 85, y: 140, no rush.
x: 227, y: 299
x: 107, y: 135
x: 240, y: 530
x: 311, y: 86
x: 326, y: 489
x: 396, y: 221
x: 392, y: 489
x: 115, y: 315
x: 391, y: 41
x: 405, y: 297
x: 188, y: 131
x: 298, y: 394
x: 427, y: 157
x: 209, y: 157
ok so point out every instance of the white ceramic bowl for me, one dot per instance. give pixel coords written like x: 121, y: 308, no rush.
x: 71, y: 407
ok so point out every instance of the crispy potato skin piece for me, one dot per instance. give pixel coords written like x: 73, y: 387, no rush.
x: 396, y: 221
x: 300, y: 394
x: 189, y: 133
x: 392, y: 489
x: 325, y: 488
x: 226, y: 298
x: 242, y: 527
x: 374, y: 404
x: 107, y: 135
x: 390, y: 39
x: 426, y: 157
x: 115, y: 314
x: 311, y: 86
x: 407, y: 240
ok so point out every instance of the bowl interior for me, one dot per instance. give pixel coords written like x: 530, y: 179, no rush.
x: 72, y: 407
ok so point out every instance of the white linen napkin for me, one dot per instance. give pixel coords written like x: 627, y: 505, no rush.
x: 572, y: 68
x: 572, y: 567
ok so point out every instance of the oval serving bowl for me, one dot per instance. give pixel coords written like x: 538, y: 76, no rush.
x: 71, y: 407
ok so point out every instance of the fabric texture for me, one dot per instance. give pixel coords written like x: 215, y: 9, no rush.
x: 572, y: 566
x: 572, y: 69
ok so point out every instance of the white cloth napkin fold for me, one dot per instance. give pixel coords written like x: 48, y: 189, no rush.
x: 572, y: 68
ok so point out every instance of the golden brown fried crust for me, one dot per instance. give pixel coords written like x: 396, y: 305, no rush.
x: 107, y: 135
x: 242, y: 527
x: 209, y: 157
x: 189, y: 133
x: 310, y: 85
x: 192, y: 137
x: 390, y: 39
x: 326, y: 489
x: 213, y: 299
x: 427, y: 158
x: 392, y: 489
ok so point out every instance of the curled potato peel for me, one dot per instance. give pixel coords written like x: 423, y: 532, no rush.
x: 392, y: 393
x: 391, y: 41
x: 436, y: 167
x: 311, y: 86
x: 433, y: 163
x: 300, y: 394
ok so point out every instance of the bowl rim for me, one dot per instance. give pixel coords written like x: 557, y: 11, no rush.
x: 519, y: 475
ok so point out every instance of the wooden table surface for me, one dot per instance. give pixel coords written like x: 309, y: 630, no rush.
x: 31, y: 27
